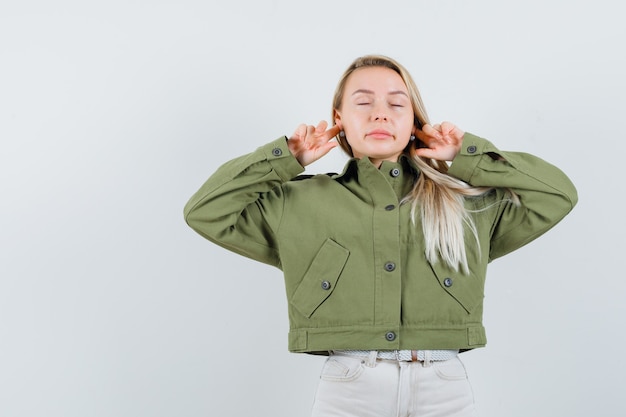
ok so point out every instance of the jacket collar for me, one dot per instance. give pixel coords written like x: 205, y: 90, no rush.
x: 405, y: 164
x: 397, y: 177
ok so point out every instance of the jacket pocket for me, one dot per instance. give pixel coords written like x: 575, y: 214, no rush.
x: 321, y: 278
x: 467, y: 290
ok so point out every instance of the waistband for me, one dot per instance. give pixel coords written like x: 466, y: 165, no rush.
x: 404, y: 355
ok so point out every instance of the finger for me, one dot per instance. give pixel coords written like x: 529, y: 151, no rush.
x: 425, y: 153
x: 422, y: 136
x: 447, y: 128
x: 430, y: 132
x: 299, y: 133
x: 328, y: 146
x: 310, y: 136
x: 321, y: 126
x: 324, y: 135
x: 444, y: 129
x: 333, y: 131
x: 452, y: 132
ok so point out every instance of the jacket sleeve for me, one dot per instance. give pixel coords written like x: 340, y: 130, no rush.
x: 546, y: 194
x: 241, y: 204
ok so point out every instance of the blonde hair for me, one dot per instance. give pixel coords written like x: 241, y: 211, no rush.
x: 439, y: 197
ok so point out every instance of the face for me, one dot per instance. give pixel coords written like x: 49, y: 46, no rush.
x: 376, y: 114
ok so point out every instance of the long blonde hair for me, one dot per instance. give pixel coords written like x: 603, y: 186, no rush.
x: 439, y: 197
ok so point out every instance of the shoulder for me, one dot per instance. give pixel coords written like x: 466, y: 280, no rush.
x: 326, y: 179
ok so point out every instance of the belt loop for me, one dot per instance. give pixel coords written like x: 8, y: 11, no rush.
x: 370, y: 362
x: 427, y: 358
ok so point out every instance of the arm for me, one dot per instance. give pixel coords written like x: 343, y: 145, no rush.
x: 546, y: 194
x: 239, y: 206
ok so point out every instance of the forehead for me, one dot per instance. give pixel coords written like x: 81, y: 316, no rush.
x: 375, y: 79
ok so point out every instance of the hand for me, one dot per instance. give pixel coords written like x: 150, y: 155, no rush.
x: 310, y: 143
x: 443, y: 141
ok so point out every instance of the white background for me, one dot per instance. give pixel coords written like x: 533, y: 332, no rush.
x: 112, y: 113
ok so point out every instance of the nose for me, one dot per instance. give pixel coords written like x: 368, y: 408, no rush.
x: 379, y: 114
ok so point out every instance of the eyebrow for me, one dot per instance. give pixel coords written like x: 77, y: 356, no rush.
x: 364, y: 91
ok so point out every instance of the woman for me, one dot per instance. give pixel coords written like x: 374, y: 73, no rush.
x: 385, y: 263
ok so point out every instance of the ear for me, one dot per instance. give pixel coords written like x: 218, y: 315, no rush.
x: 337, y: 117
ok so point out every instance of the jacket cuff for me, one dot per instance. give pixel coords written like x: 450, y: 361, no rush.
x: 284, y: 164
x: 473, y: 149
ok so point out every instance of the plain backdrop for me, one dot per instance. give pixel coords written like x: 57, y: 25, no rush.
x: 112, y: 113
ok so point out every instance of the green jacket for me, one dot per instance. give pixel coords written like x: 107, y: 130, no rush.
x: 355, y: 272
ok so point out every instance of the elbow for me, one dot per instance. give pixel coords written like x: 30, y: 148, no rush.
x: 573, y: 197
x: 562, y: 207
x: 197, y: 220
x: 189, y: 215
x: 208, y: 225
x: 190, y: 219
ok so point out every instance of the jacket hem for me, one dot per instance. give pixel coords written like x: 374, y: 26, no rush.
x: 378, y: 338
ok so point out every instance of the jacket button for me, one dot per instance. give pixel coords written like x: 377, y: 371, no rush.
x: 326, y: 285
x: 390, y: 207
x: 390, y: 336
x: 390, y: 266
x: 447, y: 282
x: 394, y: 172
x: 471, y: 149
x: 277, y: 152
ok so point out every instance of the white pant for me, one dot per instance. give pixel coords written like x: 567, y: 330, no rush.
x: 352, y: 386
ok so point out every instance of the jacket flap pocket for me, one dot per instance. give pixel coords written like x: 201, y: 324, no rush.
x: 467, y: 290
x: 321, y: 278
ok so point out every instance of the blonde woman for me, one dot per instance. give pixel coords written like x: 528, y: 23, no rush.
x: 385, y: 263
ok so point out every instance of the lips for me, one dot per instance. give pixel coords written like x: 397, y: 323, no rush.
x: 379, y: 133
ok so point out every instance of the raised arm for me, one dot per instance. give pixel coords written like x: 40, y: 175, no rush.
x: 545, y: 193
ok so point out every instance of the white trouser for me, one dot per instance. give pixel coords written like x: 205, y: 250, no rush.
x: 352, y: 386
